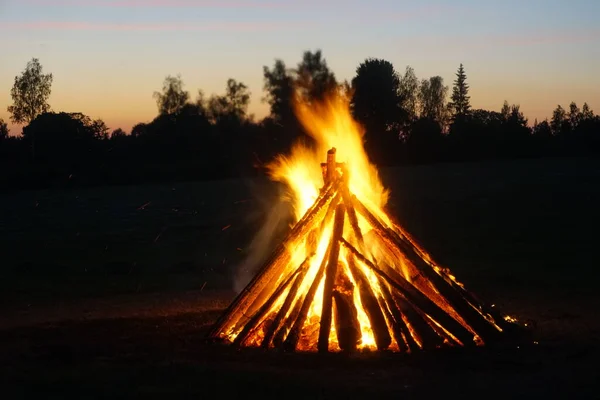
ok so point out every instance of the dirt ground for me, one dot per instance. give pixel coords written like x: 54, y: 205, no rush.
x: 149, y: 345
x: 105, y: 296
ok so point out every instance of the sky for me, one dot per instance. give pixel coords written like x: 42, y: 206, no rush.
x: 108, y: 57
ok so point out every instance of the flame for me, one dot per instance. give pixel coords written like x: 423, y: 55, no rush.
x: 357, y: 290
x: 330, y: 124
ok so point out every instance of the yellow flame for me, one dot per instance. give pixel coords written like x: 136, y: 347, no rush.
x: 330, y: 124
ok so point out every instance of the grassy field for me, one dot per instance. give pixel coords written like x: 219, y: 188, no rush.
x: 109, y: 290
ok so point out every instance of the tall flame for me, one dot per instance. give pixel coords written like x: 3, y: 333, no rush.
x: 330, y: 124
x: 292, y: 297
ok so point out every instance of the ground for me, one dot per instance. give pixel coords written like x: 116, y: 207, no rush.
x: 108, y: 292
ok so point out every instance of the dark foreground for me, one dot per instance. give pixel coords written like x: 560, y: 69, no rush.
x: 104, y: 299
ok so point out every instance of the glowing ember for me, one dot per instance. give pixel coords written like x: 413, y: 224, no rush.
x: 347, y: 277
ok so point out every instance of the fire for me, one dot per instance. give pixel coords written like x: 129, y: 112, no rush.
x: 347, y: 277
x: 331, y: 125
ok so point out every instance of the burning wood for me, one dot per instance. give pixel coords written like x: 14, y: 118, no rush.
x: 363, y: 284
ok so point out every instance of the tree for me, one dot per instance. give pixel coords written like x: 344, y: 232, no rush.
x: 460, y: 100
x: 514, y: 124
x: 238, y: 97
x: 558, y: 120
x: 139, y: 130
x: 376, y: 100
x: 30, y: 93
x: 172, y: 98
x: 432, y: 99
x: 574, y: 115
x: 279, y: 88
x: 233, y: 106
x: 313, y: 78
x: 409, y: 93
x: 516, y: 116
x: 542, y: 129
x: 99, y: 129
x: 118, y: 133
x: 377, y: 105
x: 505, y: 111
x: 586, y: 113
x: 62, y: 138
x: 3, y: 130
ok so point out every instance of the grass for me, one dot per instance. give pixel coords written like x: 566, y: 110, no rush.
x: 109, y: 291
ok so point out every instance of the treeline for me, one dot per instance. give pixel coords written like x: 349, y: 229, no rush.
x: 407, y: 120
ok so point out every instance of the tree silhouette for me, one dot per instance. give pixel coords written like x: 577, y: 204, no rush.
x: 3, y: 130
x: 432, y: 100
x: 515, y: 125
x: 233, y: 106
x: 139, y: 130
x: 409, y: 93
x: 460, y: 100
x: 118, y: 133
x: 313, y: 78
x: 30, y: 93
x: 542, y: 129
x: 558, y: 121
x: 377, y: 104
x: 574, y: 116
x: 376, y: 100
x: 172, y: 98
x: 279, y: 88
x: 586, y: 113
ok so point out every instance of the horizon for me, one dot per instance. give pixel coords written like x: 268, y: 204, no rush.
x: 537, y: 55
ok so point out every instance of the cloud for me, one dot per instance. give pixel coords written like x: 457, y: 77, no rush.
x: 149, y: 27
x: 164, y: 4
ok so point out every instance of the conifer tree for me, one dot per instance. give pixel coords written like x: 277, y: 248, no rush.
x: 460, y: 104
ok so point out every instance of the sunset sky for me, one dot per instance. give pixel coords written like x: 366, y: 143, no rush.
x: 109, y: 56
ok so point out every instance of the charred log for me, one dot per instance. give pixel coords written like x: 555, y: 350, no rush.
x: 472, y: 317
x: 325, y: 326
x: 417, y: 298
x: 370, y: 305
x: 347, y: 326
x: 294, y: 335
x: 287, y: 303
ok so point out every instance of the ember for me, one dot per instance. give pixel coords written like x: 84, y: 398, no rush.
x: 347, y: 277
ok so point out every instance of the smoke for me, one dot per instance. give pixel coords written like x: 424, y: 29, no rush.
x: 277, y: 217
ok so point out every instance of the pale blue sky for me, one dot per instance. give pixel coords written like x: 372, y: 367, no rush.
x: 108, y: 56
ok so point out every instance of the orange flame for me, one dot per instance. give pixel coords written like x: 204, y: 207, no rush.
x: 331, y: 125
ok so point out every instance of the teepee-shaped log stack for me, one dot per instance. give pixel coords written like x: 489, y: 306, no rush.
x: 345, y: 279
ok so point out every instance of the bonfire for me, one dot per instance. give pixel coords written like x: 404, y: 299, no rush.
x: 348, y: 277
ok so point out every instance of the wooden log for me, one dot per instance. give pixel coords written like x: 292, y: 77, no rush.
x: 396, y: 327
x: 457, y: 295
x: 471, y: 316
x: 268, y: 270
x: 370, y: 305
x: 251, y: 325
x: 329, y: 214
x: 418, y: 299
x: 425, y: 333
x: 330, y: 275
x: 294, y: 335
x: 352, y: 218
x: 401, y: 332
x: 283, y: 310
x: 286, y: 325
x: 347, y: 326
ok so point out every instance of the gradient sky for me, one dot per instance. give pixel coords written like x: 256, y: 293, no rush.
x: 109, y: 56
